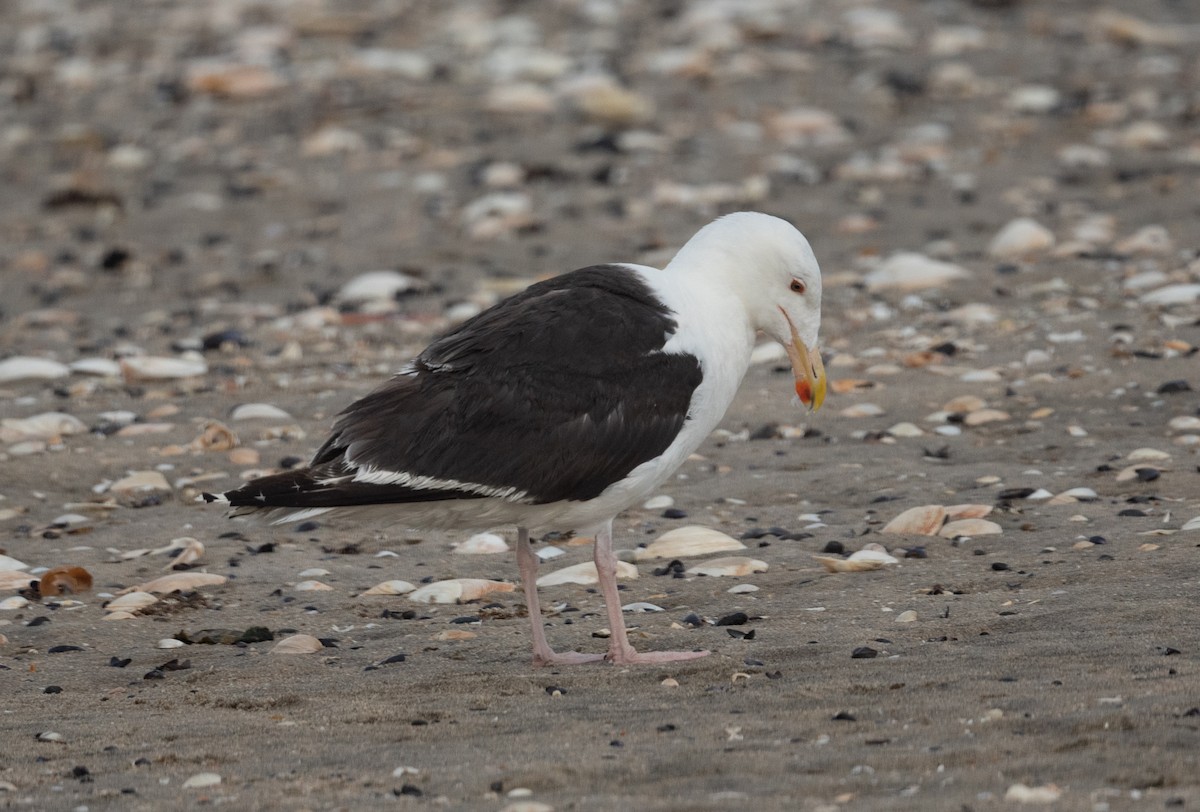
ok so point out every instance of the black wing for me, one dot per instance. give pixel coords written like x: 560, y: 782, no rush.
x: 553, y: 394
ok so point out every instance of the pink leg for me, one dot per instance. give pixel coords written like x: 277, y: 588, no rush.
x: 542, y: 653
x: 620, y: 651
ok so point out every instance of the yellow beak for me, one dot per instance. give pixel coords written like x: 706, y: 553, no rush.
x: 808, y: 368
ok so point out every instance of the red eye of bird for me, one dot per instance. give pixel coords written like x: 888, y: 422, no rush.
x: 798, y: 286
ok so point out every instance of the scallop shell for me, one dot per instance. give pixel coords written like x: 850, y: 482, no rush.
x: 182, y: 582
x: 922, y: 521
x: 65, y: 581
x: 689, y: 541
x: 458, y: 590
x: 154, y: 368
x: 298, y: 644
x: 584, y: 573
x: 390, y: 588
x: 482, y: 544
x: 733, y: 566
x: 130, y: 602
x: 969, y: 527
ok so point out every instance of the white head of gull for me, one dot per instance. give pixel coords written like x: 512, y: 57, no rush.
x: 567, y: 403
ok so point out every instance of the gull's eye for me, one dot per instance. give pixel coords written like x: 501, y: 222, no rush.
x: 798, y: 286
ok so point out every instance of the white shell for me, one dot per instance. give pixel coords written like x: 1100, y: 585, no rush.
x: 139, y: 485
x: 482, y: 544
x: 377, y: 285
x: 547, y: 553
x: 733, y: 566
x: 182, y: 582
x: 8, y: 563
x: 390, y: 588
x: 159, y: 368
x: 584, y: 573
x: 130, y: 602
x: 201, y: 780
x: 862, y: 561
x: 120, y: 614
x: 1020, y: 238
x: 1173, y: 294
x: 907, y: 616
x: 660, y: 502
x: 298, y: 644
x: 1192, y: 524
x: 458, y: 590
x: 683, y: 542
x: 1143, y: 454
x: 15, y: 579
x: 103, y: 367
x: 978, y: 418
x: 170, y: 642
x: 969, y: 527
x: 742, y: 589
x: 314, y: 572
x: 191, y: 551
x: 27, y: 368
x: 40, y: 427
x: 908, y: 271
x: 641, y: 606
x: 258, y: 411
x: 15, y: 602
x: 968, y: 511
x: 925, y: 520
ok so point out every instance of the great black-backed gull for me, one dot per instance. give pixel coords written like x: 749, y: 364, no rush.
x: 563, y: 405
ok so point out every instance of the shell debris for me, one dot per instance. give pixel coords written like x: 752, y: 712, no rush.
x: 686, y: 542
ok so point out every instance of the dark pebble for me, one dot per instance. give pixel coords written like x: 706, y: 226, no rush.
x: 307, y: 527
x: 554, y: 689
x: 118, y: 662
x: 674, y: 569
x: 692, y: 619
x: 467, y: 619
x: 863, y: 653
x: 674, y: 513
x: 999, y: 566
x: 1174, y: 387
x: 395, y: 658
x: 57, y: 689
x: 734, y: 619
x: 80, y: 772
x: 1167, y: 651
x: 393, y: 614
x: 62, y: 649
x: 737, y: 634
x: 755, y: 533
x: 1132, y: 512
x: 834, y: 548
x: 915, y: 552
x: 328, y: 642
x: 256, y: 634
x: 214, y: 341
x: 408, y: 789
x: 1147, y: 474
x: 843, y: 716
x: 1016, y: 493
x: 175, y: 665
x: 750, y: 661
x: 616, y: 743
x: 155, y: 674
x: 291, y: 461
x: 667, y: 728
x: 40, y: 620
x: 768, y: 431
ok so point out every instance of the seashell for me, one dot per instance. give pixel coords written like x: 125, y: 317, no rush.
x: 65, y: 581
x: 390, y: 588
x: 1185, y: 423
x: 7, y: 563
x: 15, y: 602
x: 215, y: 437
x: 864, y: 560
x: 547, y: 553
x: 139, y: 368
x: 964, y: 403
x: 1143, y: 454
x: 584, y: 573
x: 1130, y: 473
x: 907, y: 616
x: 733, y: 566
x: 862, y: 410
x: 969, y: 527
x: 258, y: 411
x: 742, y: 589
x: 141, y: 489
x: 1074, y: 495
x: 688, y: 541
x: 170, y: 642
x: 377, y: 285
x: 1020, y: 238
x: 298, y: 644
x: 1192, y: 524
x: 130, y: 602
x: 1034, y: 99
x: 314, y: 572
x: 458, y: 590
x: 910, y: 271
x: 482, y: 544
x: 600, y: 99
x: 455, y: 634
x: 982, y: 416
x: 120, y: 614
x: 1172, y: 295
x: 101, y: 367
x: 202, y: 780
x: 954, y: 512
x: 1022, y: 794
x: 42, y: 426
x: 660, y: 502
x: 905, y: 430
x: 332, y: 140
x: 27, y: 368
x: 312, y: 586
x: 925, y: 521
x: 182, y: 582
x: 190, y: 551
x: 15, y: 579
x: 642, y: 606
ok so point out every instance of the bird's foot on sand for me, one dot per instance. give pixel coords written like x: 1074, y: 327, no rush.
x: 629, y: 656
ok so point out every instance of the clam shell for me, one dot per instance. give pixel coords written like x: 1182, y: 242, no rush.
x: 925, y: 520
x: 733, y: 566
x: 584, y: 573
x: 155, y: 368
x: 458, y: 590
x: 964, y: 403
x: 65, y: 581
x: 120, y: 614
x: 258, y: 411
x: 689, y: 541
x: 482, y: 544
x: 15, y: 579
x: 969, y: 527
x: 42, y: 426
x: 390, y: 588
x: 909, y: 271
x: 1130, y: 473
x: 1074, y: 495
x: 182, y: 582
x: 1146, y: 454
x: 8, y: 564
x: 130, y: 602
x: 955, y: 512
x: 15, y: 602
x: 27, y: 368
x: 298, y: 644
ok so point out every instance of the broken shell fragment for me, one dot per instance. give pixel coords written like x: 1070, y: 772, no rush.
x: 482, y: 544
x: 258, y: 411
x: 584, y: 573
x: 44, y: 426
x: 864, y: 560
x: 141, y: 368
x: 215, y: 437
x: 298, y: 644
x: 390, y: 588
x: 65, y: 581
x: 732, y: 566
x: 925, y: 520
x: 458, y: 590
x: 190, y: 551
x: 15, y: 579
x: 141, y: 489
x: 684, y: 542
x: 312, y: 586
x: 182, y: 582
x: 969, y: 527
x: 131, y: 602
x: 955, y: 512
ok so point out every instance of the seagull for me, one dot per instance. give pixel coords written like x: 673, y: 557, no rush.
x: 567, y: 403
